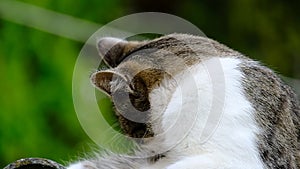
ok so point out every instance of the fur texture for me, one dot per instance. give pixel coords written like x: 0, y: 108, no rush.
x: 194, y: 103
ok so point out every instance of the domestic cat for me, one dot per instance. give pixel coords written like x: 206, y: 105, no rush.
x: 193, y: 103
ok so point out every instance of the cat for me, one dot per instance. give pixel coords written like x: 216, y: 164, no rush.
x: 164, y: 92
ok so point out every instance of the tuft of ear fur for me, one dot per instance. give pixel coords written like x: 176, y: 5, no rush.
x: 102, y: 80
x: 114, y: 50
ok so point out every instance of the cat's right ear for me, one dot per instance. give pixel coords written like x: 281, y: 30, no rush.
x: 113, y: 50
x: 102, y: 80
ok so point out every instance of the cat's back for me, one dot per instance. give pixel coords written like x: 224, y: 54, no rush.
x: 277, y: 113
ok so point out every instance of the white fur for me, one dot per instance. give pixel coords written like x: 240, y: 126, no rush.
x: 82, y: 165
x: 76, y: 166
x: 232, y: 144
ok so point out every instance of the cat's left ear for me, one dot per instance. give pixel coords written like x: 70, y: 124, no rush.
x: 113, y: 50
x: 102, y: 80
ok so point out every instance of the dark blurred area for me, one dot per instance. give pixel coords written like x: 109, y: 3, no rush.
x: 36, y: 108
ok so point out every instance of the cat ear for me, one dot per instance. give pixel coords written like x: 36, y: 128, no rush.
x: 114, y: 50
x: 102, y: 80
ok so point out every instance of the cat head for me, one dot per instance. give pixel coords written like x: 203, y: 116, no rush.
x: 137, y: 68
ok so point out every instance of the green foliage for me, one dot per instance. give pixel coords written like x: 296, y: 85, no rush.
x: 37, y: 116
x: 36, y: 108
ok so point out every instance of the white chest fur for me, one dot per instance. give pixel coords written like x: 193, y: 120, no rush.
x: 208, y: 122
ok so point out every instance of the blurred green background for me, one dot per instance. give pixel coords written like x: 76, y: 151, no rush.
x: 36, y: 108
